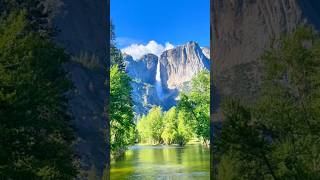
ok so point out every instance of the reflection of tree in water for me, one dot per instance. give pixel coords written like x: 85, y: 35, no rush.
x: 164, y: 162
x: 179, y: 156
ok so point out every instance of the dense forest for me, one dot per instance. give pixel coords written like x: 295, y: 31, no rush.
x: 36, y: 136
x: 277, y: 137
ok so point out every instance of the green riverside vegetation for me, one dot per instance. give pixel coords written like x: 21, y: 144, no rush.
x: 277, y: 137
x: 182, y: 123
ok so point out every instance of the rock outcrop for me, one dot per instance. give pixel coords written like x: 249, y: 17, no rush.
x: 143, y: 75
x: 144, y: 68
x: 242, y: 31
x: 177, y: 67
x: 180, y: 64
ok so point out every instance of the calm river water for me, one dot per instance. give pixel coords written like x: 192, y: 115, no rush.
x: 143, y: 162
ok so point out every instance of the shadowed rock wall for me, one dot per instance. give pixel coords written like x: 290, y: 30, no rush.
x: 82, y: 26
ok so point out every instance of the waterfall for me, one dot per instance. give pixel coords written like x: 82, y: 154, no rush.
x: 158, y: 82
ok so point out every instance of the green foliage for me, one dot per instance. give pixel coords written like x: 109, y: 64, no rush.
x: 115, y: 53
x: 36, y: 11
x: 120, y: 111
x: 155, y: 117
x: 150, y: 127
x: 229, y: 168
x: 36, y: 136
x: 197, y: 103
x: 170, y: 126
x: 184, y: 130
x: 178, y: 125
x: 278, y: 137
x: 144, y: 130
x: 123, y: 130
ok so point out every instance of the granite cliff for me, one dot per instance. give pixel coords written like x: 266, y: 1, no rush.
x: 241, y: 31
x: 82, y: 31
x: 175, y: 69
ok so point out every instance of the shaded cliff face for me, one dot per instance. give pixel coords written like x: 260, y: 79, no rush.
x: 177, y: 67
x: 143, y: 74
x: 144, y: 68
x: 82, y: 27
x: 242, y: 31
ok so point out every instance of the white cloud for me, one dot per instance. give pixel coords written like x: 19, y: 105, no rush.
x: 138, y: 50
x: 169, y: 46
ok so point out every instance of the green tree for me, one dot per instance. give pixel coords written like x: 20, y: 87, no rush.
x: 277, y: 137
x: 115, y: 53
x: 170, y: 126
x: 120, y: 111
x: 197, y: 103
x: 36, y: 137
x: 241, y: 137
x: 144, y: 130
x: 229, y: 168
x: 155, y: 117
x: 184, y: 129
x: 150, y: 126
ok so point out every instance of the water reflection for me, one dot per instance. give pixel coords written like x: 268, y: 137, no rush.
x: 162, y: 162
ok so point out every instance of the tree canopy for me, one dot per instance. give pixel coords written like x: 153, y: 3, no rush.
x: 197, y: 103
x: 277, y: 137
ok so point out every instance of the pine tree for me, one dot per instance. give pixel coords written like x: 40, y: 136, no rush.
x: 115, y: 53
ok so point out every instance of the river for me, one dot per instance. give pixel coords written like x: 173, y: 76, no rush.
x: 144, y: 162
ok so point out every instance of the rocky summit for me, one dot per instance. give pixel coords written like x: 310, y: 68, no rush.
x: 158, y: 80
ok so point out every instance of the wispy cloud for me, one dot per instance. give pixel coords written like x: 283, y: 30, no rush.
x: 138, y: 50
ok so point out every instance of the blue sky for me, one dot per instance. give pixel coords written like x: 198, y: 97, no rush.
x: 173, y: 21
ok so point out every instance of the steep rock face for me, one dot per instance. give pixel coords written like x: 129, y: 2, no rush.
x: 242, y: 31
x: 82, y: 27
x: 180, y: 64
x: 177, y: 67
x: 143, y: 74
x: 206, y: 52
x: 144, y: 68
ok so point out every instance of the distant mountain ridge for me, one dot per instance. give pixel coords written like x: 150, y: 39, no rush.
x: 176, y: 69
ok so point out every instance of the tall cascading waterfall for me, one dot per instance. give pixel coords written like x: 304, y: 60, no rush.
x: 158, y: 82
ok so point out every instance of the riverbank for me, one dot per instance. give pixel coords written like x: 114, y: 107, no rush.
x: 191, y: 142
